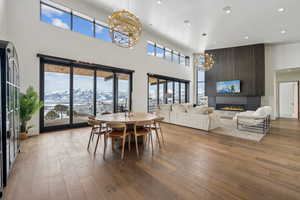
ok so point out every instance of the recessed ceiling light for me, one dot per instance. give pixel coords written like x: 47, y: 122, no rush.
x: 204, y: 34
x: 280, y: 9
x: 246, y: 37
x: 283, y: 31
x: 159, y: 2
x: 227, y: 9
x: 187, y: 22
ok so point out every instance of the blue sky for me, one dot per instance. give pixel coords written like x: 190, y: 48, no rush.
x: 63, y: 20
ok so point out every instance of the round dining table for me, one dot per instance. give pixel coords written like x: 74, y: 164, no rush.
x: 127, y: 118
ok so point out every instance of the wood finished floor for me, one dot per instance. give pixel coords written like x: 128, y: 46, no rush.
x: 194, y: 165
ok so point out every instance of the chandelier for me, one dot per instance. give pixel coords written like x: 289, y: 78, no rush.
x: 203, y: 61
x: 125, y: 28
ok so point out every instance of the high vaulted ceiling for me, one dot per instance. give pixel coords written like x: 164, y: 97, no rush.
x: 252, y: 21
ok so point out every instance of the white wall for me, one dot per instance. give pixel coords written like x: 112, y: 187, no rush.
x: 31, y: 36
x: 3, y: 19
x: 278, y: 57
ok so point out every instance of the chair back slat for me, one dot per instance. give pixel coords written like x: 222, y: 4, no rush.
x: 144, y: 123
x: 116, y: 125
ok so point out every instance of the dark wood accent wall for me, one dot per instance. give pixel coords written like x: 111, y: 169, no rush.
x: 245, y: 63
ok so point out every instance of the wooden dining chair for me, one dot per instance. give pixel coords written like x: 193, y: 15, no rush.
x: 142, y: 129
x: 156, y: 126
x: 116, y: 130
x: 98, y: 128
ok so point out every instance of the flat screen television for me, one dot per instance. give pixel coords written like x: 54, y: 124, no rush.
x: 229, y: 87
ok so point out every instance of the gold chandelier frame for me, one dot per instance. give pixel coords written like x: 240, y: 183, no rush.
x: 125, y: 28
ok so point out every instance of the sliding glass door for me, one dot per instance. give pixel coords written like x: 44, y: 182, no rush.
x: 123, y: 98
x: 162, y: 91
x: 83, y: 94
x: 166, y: 90
x: 183, y: 94
x: 176, y: 92
x: 105, y: 92
x: 152, y: 97
x: 170, y: 92
x: 72, y: 92
x: 56, y: 95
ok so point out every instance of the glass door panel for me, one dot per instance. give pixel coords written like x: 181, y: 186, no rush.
x: 123, y: 98
x: 182, y: 92
x: 162, y: 91
x: 176, y: 92
x: 170, y: 92
x: 56, y: 95
x: 152, y: 97
x: 105, y: 91
x: 83, y: 94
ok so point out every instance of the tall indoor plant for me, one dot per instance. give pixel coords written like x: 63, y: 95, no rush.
x: 29, y: 104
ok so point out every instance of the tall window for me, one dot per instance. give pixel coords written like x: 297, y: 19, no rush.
x: 162, y: 91
x: 55, y: 14
x: 104, y: 96
x: 176, y: 92
x: 83, y: 94
x: 183, y: 95
x: 83, y: 24
x: 152, y: 97
x: 71, y: 92
x: 201, y: 87
x: 123, y: 92
x: 56, y: 95
x: 166, y: 90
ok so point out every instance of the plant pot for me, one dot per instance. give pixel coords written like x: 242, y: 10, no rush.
x: 23, y: 135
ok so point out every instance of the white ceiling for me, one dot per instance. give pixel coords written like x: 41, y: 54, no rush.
x: 257, y: 19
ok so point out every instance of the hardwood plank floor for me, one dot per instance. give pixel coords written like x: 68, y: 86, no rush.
x: 194, y: 165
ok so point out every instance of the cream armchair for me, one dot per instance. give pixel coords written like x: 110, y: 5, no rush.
x: 255, y: 121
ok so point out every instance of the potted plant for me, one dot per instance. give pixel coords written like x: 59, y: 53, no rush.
x: 29, y: 104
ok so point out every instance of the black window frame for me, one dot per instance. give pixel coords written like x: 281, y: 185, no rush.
x: 72, y: 14
x: 45, y: 59
x: 168, y: 79
x: 91, y: 20
x: 172, y: 52
x: 59, y: 9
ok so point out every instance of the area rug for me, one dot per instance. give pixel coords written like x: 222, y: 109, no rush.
x: 228, y: 127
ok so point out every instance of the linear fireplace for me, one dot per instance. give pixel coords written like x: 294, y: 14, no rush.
x: 234, y: 103
x: 231, y: 107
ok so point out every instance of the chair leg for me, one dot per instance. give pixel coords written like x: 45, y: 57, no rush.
x: 91, y: 135
x: 123, y: 147
x: 162, y: 135
x: 156, y: 132
x: 113, y: 144
x: 129, y: 142
x: 97, y: 143
x: 105, y: 144
x: 151, y: 142
x: 137, y: 147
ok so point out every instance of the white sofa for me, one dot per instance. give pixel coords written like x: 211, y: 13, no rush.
x: 200, y: 117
